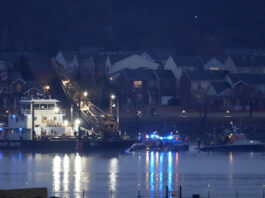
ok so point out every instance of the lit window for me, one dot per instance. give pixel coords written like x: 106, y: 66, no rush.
x: 214, y: 68
x: 137, y: 84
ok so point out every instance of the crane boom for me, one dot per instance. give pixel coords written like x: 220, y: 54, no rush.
x: 90, y: 113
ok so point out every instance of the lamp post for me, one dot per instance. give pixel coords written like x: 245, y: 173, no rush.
x: 112, y: 97
x: 117, y: 105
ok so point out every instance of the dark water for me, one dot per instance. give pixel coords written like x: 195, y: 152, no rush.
x: 121, y: 175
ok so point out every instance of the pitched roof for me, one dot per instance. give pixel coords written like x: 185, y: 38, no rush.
x: 32, y: 84
x: 206, y: 59
x: 248, y: 78
x: 160, y: 54
x: 118, y: 57
x: 68, y: 55
x: 139, y: 74
x: 189, y: 61
x: 164, y: 74
x: 209, y: 75
x: 220, y: 86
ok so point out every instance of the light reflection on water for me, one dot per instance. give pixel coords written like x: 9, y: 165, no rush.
x: 56, y: 173
x: 113, y: 169
x: 122, y: 174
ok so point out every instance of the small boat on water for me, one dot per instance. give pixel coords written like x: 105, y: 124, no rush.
x: 154, y: 142
x: 233, y: 140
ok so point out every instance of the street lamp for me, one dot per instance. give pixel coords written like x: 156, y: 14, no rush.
x: 112, y: 96
x: 115, y: 105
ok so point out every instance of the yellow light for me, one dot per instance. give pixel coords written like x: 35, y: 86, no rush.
x: 85, y: 93
x: 47, y: 87
x: 110, y: 78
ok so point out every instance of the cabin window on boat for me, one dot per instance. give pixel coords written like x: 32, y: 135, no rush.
x: 37, y: 106
x: 43, y: 106
x: 51, y: 106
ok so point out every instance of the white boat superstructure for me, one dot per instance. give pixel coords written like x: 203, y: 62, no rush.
x: 48, y: 120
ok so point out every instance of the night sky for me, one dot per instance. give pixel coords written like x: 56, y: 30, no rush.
x: 192, y: 26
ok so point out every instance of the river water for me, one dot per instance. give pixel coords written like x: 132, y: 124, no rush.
x: 115, y: 174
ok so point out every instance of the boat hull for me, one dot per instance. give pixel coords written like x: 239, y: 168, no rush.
x: 64, y: 145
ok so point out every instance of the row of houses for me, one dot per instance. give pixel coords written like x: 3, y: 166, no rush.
x: 220, y: 90
x: 157, y: 76
x: 103, y: 63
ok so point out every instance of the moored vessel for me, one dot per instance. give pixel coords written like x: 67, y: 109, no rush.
x: 234, y: 140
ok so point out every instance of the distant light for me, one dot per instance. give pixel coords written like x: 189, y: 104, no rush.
x: 113, y: 105
x: 110, y: 78
x: 170, y: 137
x: 147, y: 136
x: 251, y: 141
x: 183, y: 111
x: 177, y: 131
x: 6, y: 111
x: 20, y: 129
x: 13, y: 116
x: 112, y: 96
x: 227, y: 111
x: 77, y: 121
x: 47, y: 87
x: 153, y: 136
x: 1, y: 129
x: 56, y: 109
x: 196, y: 17
x: 65, y: 123
x: 85, y: 93
x: 161, y: 138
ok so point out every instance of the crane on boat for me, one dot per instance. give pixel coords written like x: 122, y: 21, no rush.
x: 92, y: 115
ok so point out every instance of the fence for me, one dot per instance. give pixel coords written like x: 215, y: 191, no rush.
x: 180, y: 192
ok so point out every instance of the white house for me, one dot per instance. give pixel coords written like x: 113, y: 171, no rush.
x: 68, y: 59
x: 131, y: 62
x: 214, y: 63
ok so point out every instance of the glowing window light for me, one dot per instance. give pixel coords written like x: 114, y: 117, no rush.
x: 13, y: 116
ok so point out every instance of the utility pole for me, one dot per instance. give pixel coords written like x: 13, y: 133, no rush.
x: 32, y: 120
x: 118, y: 114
